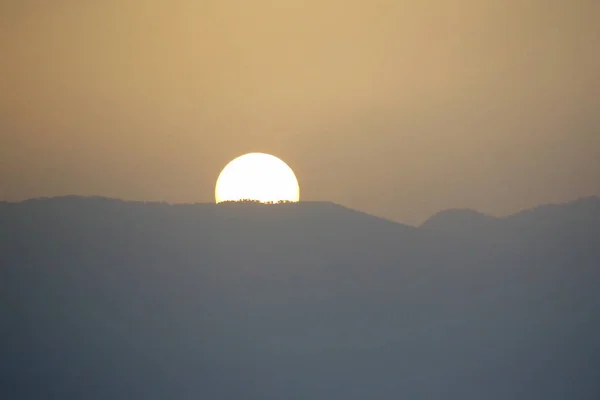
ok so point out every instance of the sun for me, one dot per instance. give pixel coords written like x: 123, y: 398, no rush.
x: 259, y: 177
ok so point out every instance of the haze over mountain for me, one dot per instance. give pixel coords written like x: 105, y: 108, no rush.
x: 105, y: 299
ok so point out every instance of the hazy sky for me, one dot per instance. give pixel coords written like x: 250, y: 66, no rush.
x: 397, y: 108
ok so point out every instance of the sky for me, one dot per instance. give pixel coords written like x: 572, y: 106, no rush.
x: 396, y: 108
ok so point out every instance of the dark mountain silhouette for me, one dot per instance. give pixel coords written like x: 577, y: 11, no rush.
x: 102, y: 299
x: 578, y: 213
x: 577, y: 222
x: 462, y: 221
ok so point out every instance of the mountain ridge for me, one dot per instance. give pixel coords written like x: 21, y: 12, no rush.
x: 435, y: 221
x: 450, y: 220
x: 124, y: 300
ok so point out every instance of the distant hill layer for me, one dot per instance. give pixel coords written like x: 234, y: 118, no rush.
x: 578, y: 217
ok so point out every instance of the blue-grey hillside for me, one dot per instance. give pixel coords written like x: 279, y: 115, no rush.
x: 546, y: 221
x: 104, y: 299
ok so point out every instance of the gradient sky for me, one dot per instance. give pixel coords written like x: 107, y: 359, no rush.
x: 397, y: 108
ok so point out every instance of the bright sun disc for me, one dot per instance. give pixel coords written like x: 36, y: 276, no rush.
x: 257, y: 176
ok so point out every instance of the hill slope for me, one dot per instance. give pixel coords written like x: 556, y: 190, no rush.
x: 107, y: 299
x: 582, y: 213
